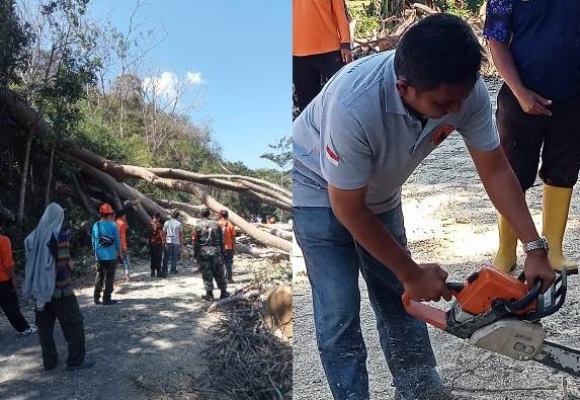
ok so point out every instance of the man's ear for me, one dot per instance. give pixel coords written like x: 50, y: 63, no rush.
x: 402, y: 86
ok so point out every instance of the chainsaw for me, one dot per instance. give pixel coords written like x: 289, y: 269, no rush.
x: 497, y: 312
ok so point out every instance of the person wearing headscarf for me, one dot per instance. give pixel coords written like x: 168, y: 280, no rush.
x: 48, y: 281
x: 8, y: 297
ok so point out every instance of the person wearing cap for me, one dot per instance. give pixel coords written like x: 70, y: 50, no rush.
x: 8, y: 283
x: 121, y: 222
x: 229, y: 236
x: 107, y: 246
x: 173, y: 231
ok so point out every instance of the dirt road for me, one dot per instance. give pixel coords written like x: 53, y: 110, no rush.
x: 450, y: 220
x: 146, y: 347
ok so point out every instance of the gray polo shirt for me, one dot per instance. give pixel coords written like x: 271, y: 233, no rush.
x: 357, y: 132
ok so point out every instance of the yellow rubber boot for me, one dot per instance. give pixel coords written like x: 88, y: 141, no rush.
x: 505, y: 260
x: 555, y: 207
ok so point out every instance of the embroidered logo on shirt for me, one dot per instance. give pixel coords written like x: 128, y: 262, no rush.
x: 332, y: 156
x: 440, y: 134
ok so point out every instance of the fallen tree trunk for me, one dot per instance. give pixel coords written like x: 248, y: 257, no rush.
x: 232, y: 177
x: 266, y: 195
x: 121, y: 172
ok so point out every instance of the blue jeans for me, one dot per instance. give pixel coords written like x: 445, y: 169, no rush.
x: 333, y: 261
x: 126, y: 262
x: 171, y: 253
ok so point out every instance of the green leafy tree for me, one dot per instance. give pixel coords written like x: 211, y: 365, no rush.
x: 15, y: 37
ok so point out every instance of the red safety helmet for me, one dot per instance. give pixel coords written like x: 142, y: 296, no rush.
x: 106, y: 209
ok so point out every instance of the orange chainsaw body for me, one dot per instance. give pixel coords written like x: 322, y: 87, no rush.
x: 479, y: 291
x: 488, y: 285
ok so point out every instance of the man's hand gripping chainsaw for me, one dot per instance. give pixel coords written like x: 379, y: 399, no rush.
x: 497, y: 312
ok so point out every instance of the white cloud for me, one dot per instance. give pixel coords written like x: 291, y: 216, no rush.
x: 166, y: 84
x: 194, y: 78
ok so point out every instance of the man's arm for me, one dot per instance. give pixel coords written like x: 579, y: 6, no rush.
x: 422, y: 283
x: 507, y: 196
x: 530, y: 101
x: 341, y: 15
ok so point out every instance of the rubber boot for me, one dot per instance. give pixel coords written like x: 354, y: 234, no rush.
x: 506, y: 258
x: 555, y: 207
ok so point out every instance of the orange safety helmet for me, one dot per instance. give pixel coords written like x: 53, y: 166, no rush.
x: 106, y: 209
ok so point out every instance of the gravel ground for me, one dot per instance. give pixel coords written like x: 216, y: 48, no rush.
x: 146, y: 347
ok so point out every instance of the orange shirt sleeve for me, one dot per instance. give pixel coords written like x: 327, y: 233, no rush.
x: 6, y: 260
x: 341, y: 15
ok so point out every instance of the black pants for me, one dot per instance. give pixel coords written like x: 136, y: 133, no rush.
x: 67, y: 311
x: 156, y: 257
x: 229, y: 263
x: 523, y: 135
x: 11, y: 307
x: 106, y: 275
x: 310, y: 74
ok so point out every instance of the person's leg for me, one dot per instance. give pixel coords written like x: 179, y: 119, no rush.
x: 166, y: 256
x: 99, y: 281
x: 306, y: 79
x: 207, y: 276
x: 218, y: 273
x: 69, y: 314
x: 45, y: 324
x: 156, y: 257
x: 109, y: 267
x: 327, y: 65
x: 559, y: 171
x: 404, y: 339
x: 332, y: 264
x: 229, y: 262
x: 174, y: 257
x: 11, y: 307
x: 127, y: 264
x: 521, y: 139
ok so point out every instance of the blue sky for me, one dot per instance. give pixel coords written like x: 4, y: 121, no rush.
x: 238, y: 56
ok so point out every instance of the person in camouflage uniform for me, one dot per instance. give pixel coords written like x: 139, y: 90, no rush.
x: 209, y: 254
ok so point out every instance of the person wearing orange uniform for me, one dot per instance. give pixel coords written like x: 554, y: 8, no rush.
x: 8, y: 297
x: 122, y: 225
x: 229, y: 235
x: 321, y: 45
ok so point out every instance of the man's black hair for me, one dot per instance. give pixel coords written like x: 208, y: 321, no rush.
x: 204, y: 213
x: 439, y: 49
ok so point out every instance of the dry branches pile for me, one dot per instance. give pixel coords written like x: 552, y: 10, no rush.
x: 245, y: 361
x: 377, y: 42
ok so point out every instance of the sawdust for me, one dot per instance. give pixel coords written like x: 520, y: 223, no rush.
x: 450, y: 220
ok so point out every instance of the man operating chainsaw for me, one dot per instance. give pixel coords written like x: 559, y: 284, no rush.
x: 354, y: 147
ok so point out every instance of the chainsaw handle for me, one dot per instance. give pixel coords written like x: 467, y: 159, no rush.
x: 525, y: 301
x: 431, y: 315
